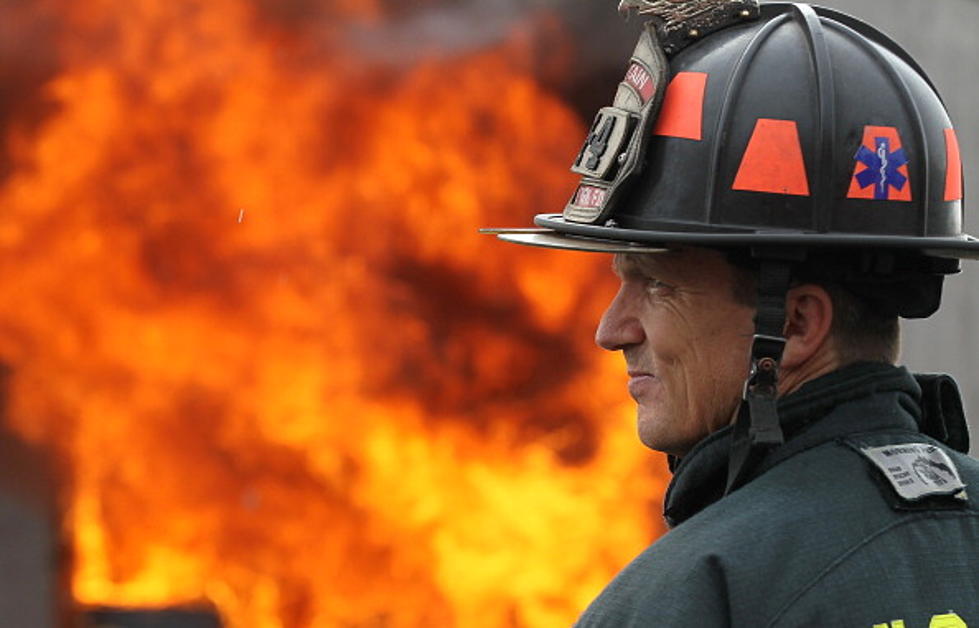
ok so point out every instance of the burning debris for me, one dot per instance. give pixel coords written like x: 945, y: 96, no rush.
x: 166, y: 618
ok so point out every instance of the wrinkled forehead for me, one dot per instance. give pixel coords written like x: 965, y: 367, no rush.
x: 690, y: 264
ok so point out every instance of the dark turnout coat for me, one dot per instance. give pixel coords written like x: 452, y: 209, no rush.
x: 866, y: 517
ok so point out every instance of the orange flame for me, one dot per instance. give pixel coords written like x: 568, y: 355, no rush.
x: 247, y: 306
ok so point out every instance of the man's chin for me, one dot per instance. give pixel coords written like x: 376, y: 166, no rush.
x: 661, y: 435
x: 652, y: 432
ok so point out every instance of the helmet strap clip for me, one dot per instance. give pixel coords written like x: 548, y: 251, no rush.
x: 756, y: 427
x: 761, y: 389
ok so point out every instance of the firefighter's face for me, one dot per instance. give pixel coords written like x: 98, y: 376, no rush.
x: 685, y: 339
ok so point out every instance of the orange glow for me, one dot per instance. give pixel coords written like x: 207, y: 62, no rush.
x: 247, y: 308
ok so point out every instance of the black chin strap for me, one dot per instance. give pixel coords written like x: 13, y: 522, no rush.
x: 757, y: 429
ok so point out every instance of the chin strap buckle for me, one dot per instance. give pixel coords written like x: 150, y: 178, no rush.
x: 761, y: 390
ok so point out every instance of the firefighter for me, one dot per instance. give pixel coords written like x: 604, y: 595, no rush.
x: 779, y: 184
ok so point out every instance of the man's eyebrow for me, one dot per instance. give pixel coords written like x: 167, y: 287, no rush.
x: 625, y: 265
x: 636, y: 264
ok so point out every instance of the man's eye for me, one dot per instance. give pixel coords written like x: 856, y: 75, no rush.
x: 656, y: 286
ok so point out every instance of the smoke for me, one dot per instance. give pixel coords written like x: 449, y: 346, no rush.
x: 28, y: 59
x: 446, y: 29
x: 441, y: 30
x: 578, y: 48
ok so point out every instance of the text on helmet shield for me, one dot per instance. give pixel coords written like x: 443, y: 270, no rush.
x: 639, y: 79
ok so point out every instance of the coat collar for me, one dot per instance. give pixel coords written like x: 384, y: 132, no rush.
x: 814, y: 414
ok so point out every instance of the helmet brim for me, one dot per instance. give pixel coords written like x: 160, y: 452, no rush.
x: 554, y: 240
x: 618, y: 239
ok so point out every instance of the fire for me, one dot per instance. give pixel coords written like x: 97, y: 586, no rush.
x: 248, y: 311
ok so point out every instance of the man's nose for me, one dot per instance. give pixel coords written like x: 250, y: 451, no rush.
x: 620, y: 326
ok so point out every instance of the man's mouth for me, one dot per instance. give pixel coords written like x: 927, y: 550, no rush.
x: 639, y: 383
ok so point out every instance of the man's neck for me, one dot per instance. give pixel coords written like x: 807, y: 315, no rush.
x: 822, y: 363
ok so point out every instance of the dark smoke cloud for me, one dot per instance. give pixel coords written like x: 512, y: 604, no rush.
x: 595, y: 40
x: 29, y: 34
x: 458, y: 27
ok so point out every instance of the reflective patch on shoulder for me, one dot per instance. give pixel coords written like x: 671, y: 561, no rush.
x: 917, y: 470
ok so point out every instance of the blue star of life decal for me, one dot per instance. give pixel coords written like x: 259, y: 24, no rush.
x: 882, y: 168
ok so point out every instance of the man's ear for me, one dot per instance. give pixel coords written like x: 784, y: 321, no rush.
x: 808, y: 319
